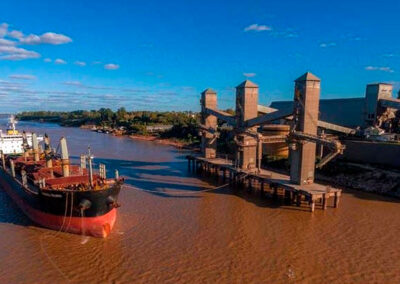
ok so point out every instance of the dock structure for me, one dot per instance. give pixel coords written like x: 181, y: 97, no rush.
x: 267, y: 183
x: 247, y: 122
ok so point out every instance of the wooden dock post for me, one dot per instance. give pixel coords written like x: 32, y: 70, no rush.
x: 312, y: 204
x: 298, y: 199
x: 287, y: 196
x: 274, y: 191
x: 249, y: 184
x: 262, y: 193
x: 324, y: 201
x: 336, y: 200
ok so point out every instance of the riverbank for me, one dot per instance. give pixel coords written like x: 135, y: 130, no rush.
x: 165, y: 141
x: 349, y: 175
x: 153, y: 138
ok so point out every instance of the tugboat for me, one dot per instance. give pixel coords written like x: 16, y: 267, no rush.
x: 58, y: 195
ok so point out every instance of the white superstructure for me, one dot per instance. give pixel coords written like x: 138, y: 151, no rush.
x: 12, y: 141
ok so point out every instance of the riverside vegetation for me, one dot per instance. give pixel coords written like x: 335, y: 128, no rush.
x: 183, y: 128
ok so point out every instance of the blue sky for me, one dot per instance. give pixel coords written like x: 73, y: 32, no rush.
x: 159, y: 55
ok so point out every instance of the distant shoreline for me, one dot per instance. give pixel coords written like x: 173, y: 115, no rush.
x: 164, y: 141
x: 177, y: 129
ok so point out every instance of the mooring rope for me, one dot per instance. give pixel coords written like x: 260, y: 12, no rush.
x: 180, y: 191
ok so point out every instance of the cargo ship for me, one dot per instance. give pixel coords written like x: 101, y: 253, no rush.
x: 58, y: 195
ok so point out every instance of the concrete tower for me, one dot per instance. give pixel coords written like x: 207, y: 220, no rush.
x: 208, y: 141
x: 373, y: 93
x: 246, y: 108
x: 306, y: 108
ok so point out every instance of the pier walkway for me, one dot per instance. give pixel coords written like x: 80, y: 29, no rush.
x: 266, y: 181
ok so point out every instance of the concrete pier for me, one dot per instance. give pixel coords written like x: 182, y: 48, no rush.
x: 276, y: 185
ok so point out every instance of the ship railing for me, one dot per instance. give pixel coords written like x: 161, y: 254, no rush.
x: 18, y: 179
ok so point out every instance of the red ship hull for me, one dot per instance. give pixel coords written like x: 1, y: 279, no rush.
x: 98, y: 226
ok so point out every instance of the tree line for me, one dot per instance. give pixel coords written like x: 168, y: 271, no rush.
x: 184, y: 124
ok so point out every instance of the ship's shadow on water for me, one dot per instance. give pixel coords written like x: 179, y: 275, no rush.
x: 165, y: 179
x: 10, y: 212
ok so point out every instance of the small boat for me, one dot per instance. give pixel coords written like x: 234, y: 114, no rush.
x: 58, y: 195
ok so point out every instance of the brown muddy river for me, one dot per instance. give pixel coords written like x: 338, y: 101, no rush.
x: 170, y: 230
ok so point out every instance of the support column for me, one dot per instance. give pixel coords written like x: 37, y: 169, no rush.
x: 246, y: 108
x: 336, y: 200
x: 262, y: 188
x: 306, y: 108
x: 324, y: 201
x: 208, y: 141
x: 312, y: 205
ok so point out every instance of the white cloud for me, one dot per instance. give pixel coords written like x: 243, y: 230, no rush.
x: 22, y: 77
x: 47, y: 60
x: 9, y: 40
x: 80, y: 63
x: 30, y: 39
x: 249, y: 74
x: 16, y: 53
x: 60, y: 61
x: 73, y: 83
x: 257, y: 28
x: 16, y: 34
x: 3, y: 29
x: 4, y: 41
x: 53, y: 38
x: 49, y: 38
x: 111, y: 66
x: 327, y: 44
x: 379, y: 68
